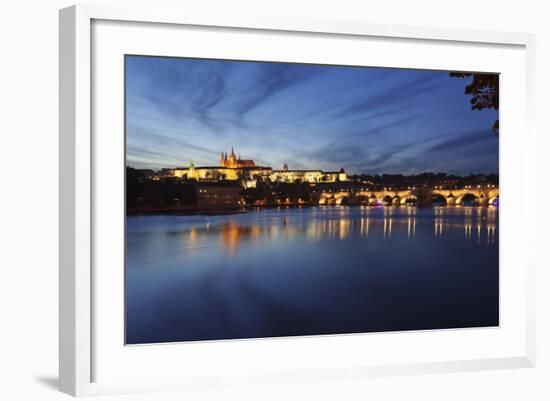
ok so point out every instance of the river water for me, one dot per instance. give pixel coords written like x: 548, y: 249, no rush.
x: 310, y: 271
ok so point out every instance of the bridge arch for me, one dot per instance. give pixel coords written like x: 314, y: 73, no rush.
x: 467, y: 199
x: 438, y: 200
x: 387, y: 200
x: 409, y: 200
x: 363, y: 199
x: 342, y: 200
x: 327, y: 199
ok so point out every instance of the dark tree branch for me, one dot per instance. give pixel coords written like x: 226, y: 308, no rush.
x: 483, y: 90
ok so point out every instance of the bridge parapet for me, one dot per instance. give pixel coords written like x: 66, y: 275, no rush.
x: 483, y: 195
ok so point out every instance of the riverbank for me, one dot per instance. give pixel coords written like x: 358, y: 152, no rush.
x: 193, y: 211
x: 183, y: 211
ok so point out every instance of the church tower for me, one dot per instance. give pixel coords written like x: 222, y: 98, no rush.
x: 232, y: 158
x: 191, y: 172
x: 234, y: 161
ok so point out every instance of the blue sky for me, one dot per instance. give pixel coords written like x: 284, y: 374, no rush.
x: 367, y: 120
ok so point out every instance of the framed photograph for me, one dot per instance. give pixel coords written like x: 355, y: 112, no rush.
x: 271, y: 201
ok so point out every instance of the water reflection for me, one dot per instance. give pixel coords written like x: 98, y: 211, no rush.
x: 339, y: 223
x: 411, y: 227
x: 315, y: 270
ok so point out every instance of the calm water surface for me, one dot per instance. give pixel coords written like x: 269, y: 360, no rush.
x: 307, y: 271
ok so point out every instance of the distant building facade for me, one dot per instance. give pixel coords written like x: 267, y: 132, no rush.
x: 308, y: 176
x: 218, y: 196
x: 208, y: 173
x: 233, y: 168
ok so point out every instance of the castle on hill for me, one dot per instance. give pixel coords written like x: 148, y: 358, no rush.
x: 232, y: 168
x: 233, y: 161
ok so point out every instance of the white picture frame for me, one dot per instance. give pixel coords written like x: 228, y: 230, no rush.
x: 78, y: 162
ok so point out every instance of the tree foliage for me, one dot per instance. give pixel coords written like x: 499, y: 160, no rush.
x: 483, y: 90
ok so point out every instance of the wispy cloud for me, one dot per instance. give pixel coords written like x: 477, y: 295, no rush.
x: 272, y: 79
x: 469, y: 139
x: 327, y: 117
x: 183, y: 90
x: 392, y: 96
x: 212, y: 92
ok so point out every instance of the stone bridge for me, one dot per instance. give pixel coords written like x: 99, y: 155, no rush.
x: 482, y: 196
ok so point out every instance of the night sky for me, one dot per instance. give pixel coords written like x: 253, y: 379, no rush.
x: 367, y: 120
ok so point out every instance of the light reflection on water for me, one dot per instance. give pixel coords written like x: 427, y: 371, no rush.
x: 338, y: 223
x: 271, y: 272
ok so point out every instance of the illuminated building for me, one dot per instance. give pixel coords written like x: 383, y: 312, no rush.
x: 309, y: 176
x: 208, y: 173
x: 233, y: 161
x: 233, y: 168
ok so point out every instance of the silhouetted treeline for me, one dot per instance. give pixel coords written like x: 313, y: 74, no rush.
x: 145, y: 193
x: 427, y: 179
x: 271, y: 192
